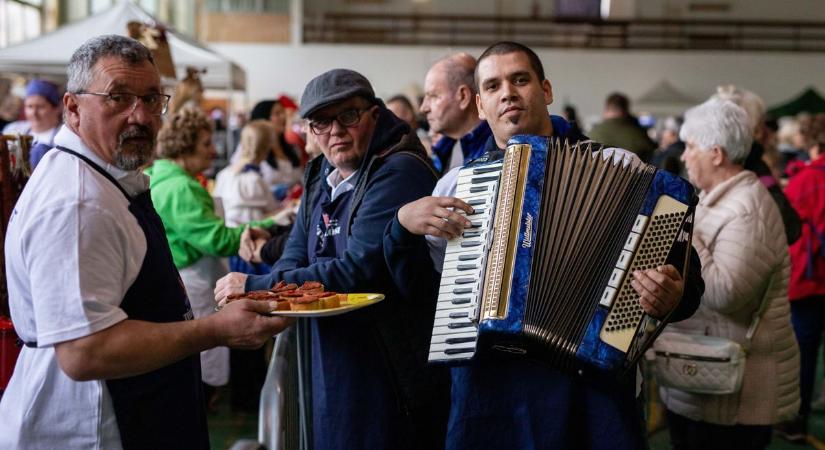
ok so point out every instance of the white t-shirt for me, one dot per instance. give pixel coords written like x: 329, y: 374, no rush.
x: 23, y: 127
x: 245, y: 196
x: 73, y: 249
x: 285, y: 173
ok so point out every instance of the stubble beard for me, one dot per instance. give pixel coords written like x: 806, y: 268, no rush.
x: 132, y: 155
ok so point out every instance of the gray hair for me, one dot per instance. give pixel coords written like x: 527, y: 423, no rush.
x: 84, y: 58
x: 719, y: 122
x: 749, y: 101
x: 459, y: 69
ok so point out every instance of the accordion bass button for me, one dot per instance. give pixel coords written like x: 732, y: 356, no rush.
x: 632, y: 241
x: 615, y: 278
x: 608, y: 296
x: 639, y: 224
x: 624, y: 260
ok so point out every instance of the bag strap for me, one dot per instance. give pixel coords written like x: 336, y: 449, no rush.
x: 757, y: 316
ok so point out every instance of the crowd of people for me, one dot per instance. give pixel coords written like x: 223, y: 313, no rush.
x: 124, y: 347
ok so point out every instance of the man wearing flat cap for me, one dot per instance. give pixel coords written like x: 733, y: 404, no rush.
x: 370, y: 387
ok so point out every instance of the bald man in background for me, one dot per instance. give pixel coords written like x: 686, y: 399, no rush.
x: 450, y: 107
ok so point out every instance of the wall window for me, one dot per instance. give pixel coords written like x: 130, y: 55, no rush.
x: 20, y: 20
x: 267, y: 6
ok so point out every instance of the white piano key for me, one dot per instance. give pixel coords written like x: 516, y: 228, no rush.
x: 465, y: 188
x: 466, y: 310
x: 442, y: 338
x: 452, y: 259
x: 445, y: 328
x: 463, y: 345
x: 443, y: 356
x: 449, y: 288
x: 458, y: 272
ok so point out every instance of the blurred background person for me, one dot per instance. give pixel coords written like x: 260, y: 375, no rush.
x: 668, y: 154
x: 755, y: 109
x: 768, y: 139
x: 620, y: 129
x: 197, y: 236
x: 403, y: 108
x: 806, y: 192
x: 282, y: 168
x: 43, y: 109
x: 572, y: 117
x: 242, y: 191
x: 293, y: 133
x: 740, y: 238
x: 450, y: 108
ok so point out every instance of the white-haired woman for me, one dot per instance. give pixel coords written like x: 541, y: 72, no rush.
x: 741, y: 242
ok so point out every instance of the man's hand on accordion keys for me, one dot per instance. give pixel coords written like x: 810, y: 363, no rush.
x: 435, y: 216
x: 659, y: 289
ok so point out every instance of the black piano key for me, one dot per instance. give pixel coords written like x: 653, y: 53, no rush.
x: 460, y: 340
x: 465, y: 280
x: 458, y: 351
x: 476, y: 201
x: 461, y: 300
x: 477, y: 211
x: 455, y: 325
x: 475, y: 224
x: 471, y: 234
x: 477, y: 180
x: 475, y: 189
x: 469, y: 257
x: 467, y: 267
x: 459, y: 315
x: 487, y: 169
x: 459, y: 291
x: 467, y: 244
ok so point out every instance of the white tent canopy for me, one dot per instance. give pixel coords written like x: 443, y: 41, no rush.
x: 665, y: 99
x: 49, y: 54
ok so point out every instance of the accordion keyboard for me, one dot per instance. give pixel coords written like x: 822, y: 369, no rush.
x: 456, y: 319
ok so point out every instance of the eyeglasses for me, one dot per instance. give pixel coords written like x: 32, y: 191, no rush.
x: 124, y: 102
x: 347, y: 118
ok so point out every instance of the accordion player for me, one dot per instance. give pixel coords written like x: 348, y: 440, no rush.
x: 543, y: 270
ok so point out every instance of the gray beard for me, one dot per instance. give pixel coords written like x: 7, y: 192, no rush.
x: 134, y: 159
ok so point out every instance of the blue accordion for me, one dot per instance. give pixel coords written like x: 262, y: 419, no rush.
x: 545, y: 271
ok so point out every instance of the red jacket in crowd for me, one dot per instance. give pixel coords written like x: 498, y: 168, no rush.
x: 806, y: 192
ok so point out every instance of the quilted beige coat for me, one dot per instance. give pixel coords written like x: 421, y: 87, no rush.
x: 741, y: 242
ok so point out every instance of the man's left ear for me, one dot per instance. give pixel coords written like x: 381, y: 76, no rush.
x: 481, y: 114
x: 375, y: 112
x: 548, y: 91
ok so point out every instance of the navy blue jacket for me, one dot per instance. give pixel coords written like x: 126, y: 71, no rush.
x: 472, y: 146
x: 524, y: 403
x: 371, y: 387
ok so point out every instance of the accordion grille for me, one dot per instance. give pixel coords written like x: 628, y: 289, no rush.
x: 588, y: 203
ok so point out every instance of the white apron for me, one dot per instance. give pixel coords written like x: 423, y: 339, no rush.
x: 199, y: 280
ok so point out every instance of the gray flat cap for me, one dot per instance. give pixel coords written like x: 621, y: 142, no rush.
x: 332, y: 87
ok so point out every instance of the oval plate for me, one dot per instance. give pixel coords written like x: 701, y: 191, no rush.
x: 354, y: 301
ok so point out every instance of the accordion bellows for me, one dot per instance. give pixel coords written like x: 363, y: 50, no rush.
x: 545, y: 271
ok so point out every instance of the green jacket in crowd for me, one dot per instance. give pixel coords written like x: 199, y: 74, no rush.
x: 188, y: 214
